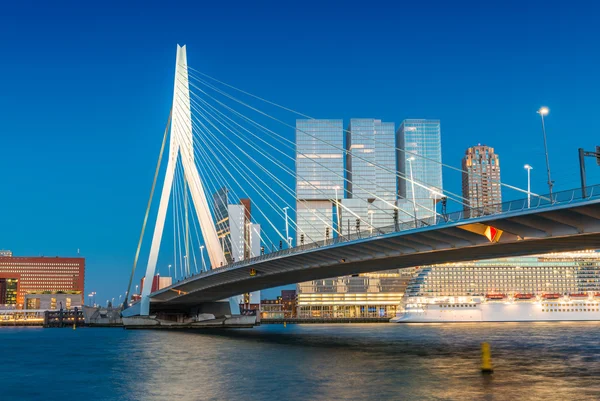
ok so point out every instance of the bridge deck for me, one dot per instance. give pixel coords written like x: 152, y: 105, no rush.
x: 559, y: 227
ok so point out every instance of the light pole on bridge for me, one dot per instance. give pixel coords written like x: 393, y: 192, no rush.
x: 412, y: 188
x: 202, y: 255
x: 287, y: 228
x: 528, y: 168
x: 543, y: 111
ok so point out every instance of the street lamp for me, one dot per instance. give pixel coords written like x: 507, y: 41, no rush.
x: 136, y: 288
x: 528, y: 168
x: 202, y: 254
x: 170, y: 270
x: 371, y: 212
x: 337, y: 209
x: 412, y: 188
x: 543, y: 111
x: 287, y: 228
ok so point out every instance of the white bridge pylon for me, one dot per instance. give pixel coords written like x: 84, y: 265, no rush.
x: 181, y: 143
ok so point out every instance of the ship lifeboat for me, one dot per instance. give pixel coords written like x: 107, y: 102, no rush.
x: 551, y: 296
x: 495, y: 296
x: 579, y: 295
x: 523, y: 296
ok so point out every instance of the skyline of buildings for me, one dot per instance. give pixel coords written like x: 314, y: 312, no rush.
x: 239, y: 237
x: 388, y: 176
x: 375, y: 195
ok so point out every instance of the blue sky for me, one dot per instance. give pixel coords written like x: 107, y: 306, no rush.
x: 85, y: 92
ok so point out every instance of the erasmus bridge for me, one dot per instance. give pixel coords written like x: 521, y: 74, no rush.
x: 217, y: 137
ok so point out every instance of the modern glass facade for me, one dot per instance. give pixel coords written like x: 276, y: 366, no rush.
x: 8, y: 291
x: 421, y: 140
x: 221, y: 205
x: 319, y: 159
x: 370, y: 295
x: 315, y: 221
x: 560, y: 273
x: 371, y: 171
x: 319, y: 176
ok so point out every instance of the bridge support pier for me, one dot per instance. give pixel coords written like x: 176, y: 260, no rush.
x: 201, y: 316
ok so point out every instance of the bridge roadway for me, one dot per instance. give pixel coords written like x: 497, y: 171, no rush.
x: 573, y: 224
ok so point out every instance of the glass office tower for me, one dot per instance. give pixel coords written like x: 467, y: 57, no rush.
x: 319, y: 177
x: 421, y: 140
x: 372, y: 159
x: 371, y: 168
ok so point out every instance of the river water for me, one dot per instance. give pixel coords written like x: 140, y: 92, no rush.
x: 532, y: 361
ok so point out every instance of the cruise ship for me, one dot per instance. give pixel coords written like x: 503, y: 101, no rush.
x: 551, y: 287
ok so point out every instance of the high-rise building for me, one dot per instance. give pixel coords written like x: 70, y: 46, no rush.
x: 371, y: 189
x: 239, y: 237
x: 481, y: 179
x: 221, y: 203
x: 25, y: 275
x: 371, y: 160
x: 419, y: 156
x: 319, y: 177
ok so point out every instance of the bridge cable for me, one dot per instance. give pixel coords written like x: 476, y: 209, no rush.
x: 312, y: 118
x: 397, y: 174
x: 137, y: 252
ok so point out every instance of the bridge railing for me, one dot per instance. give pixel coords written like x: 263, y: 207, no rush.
x: 534, y: 202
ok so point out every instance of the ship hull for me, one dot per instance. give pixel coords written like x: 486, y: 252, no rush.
x: 519, y: 311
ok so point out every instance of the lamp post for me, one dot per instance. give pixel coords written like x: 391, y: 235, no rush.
x: 412, y: 188
x: 90, y: 297
x: 170, y: 270
x: 202, y: 255
x: 543, y: 111
x: 94, y: 297
x: 287, y: 228
x: 371, y: 212
x: 528, y: 168
x: 337, y: 210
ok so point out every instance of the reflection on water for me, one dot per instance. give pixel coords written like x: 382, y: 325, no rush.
x: 532, y: 361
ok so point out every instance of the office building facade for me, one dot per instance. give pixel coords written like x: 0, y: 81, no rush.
x: 481, y: 179
x: 23, y: 275
x: 221, y: 209
x: 371, y: 189
x: 319, y: 177
x: 419, y: 156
